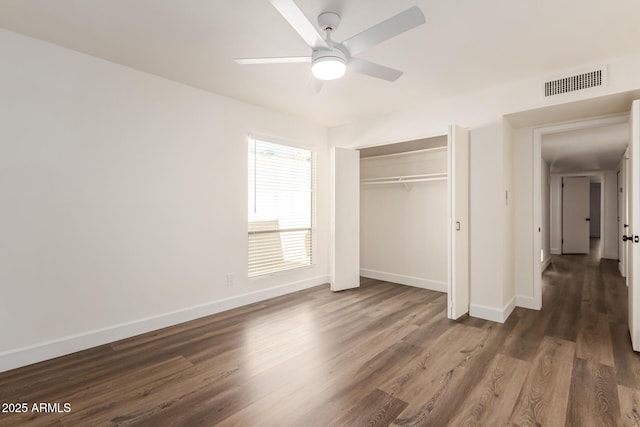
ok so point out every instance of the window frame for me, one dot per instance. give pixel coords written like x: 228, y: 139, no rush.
x: 279, y: 141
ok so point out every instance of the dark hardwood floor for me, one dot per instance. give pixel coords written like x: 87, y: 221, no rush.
x: 381, y: 355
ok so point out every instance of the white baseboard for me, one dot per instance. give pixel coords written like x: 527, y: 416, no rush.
x: 526, y: 302
x: 556, y: 251
x: 609, y: 255
x: 546, y: 263
x: 621, y: 270
x: 16, y: 358
x: 492, y: 313
x: 418, y: 282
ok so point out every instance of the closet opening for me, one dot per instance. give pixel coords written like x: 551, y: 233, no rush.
x: 403, y: 213
x: 400, y: 213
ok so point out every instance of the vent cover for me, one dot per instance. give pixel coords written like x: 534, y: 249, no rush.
x: 576, y: 82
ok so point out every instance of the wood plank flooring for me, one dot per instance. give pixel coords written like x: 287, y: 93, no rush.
x: 381, y: 355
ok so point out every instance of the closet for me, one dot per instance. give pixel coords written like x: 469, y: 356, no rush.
x: 400, y: 213
x: 403, y: 213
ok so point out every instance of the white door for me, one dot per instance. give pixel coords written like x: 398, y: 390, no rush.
x: 575, y: 215
x: 458, y: 280
x: 633, y: 254
x: 345, y: 219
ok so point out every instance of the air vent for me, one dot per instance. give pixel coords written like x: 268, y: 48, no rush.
x: 576, y: 82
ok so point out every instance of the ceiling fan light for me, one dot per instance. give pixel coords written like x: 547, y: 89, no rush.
x: 328, y: 68
x: 328, y: 64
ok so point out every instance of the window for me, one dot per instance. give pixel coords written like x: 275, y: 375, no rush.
x: 280, y: 207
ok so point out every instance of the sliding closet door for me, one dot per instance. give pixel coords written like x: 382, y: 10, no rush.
x: 345, y: 219
x: 458, y: 280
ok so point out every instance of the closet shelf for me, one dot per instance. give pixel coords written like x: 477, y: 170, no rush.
x: 405, y: 179
x: 405, y: 153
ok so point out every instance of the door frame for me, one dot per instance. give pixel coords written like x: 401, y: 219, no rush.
x: 623, y: 213
x: 450, y: 195
x: 538, y: 134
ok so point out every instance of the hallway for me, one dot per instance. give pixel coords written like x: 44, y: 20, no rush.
x: 585, y: 305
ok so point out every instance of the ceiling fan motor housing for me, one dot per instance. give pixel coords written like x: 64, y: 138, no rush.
x: 331, y: 54
x: 328, y: 64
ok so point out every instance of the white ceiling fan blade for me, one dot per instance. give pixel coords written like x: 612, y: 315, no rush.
x: 315, y: 85
x: 385, y: 30
x: 280, y: 60
x: 374, y: 70
x: 294, y: 16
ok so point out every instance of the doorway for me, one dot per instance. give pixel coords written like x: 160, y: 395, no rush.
x: 556, y: 145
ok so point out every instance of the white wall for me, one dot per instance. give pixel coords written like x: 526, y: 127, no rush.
x: 555, y: 208
x: 508, y: 272
x: 492, y: 288
x: 403, y: 231
x: 545, y: 234
x: 610, y: 220
x: 481, y: 108
x: 124, y: 201
x: 523, y: 210
x: 485, y: 155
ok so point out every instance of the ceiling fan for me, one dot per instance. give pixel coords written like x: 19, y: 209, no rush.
x: 329, y: 59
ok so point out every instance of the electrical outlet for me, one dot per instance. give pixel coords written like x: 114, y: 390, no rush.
x: 230, y: 279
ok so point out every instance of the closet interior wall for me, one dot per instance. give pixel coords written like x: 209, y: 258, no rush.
x: 403, y: 216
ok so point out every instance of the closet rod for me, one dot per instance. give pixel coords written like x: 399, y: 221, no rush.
x: 404, y: 181
x: 405, y: 177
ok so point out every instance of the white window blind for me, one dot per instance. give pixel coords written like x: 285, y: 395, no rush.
x: 280, y: 207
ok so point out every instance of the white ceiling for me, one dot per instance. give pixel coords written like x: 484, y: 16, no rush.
x: 599, y: 148
x: 465, y: 45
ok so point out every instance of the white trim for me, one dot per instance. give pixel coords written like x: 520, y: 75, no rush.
x: 537, y: 215
x: 526, y: 302
x: 556, y: 251
x: 418, y: 282
x: 609, y: 255
x: 546, y: 263
x: 16, y: 358
x: 492, y: 313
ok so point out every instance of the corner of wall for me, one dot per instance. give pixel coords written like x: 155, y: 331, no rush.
x: 525, y: 301
x: 494, y: 314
